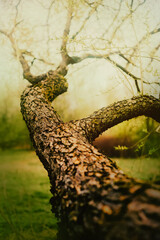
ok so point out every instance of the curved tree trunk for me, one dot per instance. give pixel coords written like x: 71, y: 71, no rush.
x: 92, y: 198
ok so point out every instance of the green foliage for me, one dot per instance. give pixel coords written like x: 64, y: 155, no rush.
x: 121, y: 148
x: 13, y: 131
x: 149, y: 139
x: 139, y: 137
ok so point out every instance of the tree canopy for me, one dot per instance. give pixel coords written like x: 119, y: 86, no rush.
x: 119, y: 37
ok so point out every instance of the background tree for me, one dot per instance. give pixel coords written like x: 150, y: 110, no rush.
x: 91, y: 196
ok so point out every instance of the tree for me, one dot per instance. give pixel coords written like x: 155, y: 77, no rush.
x: 92, y: 197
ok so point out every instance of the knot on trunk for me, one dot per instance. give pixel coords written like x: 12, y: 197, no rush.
x: 53, y: 85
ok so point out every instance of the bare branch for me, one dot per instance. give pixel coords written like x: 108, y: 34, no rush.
x: 47, y: 24
x: 25, y: 66
x: 77, y: 59
x: 15, y: 19
x: 154, y: 31
x: 118, y: 112
x: 114, y: 19
x: 153, y: 53
x: 124, y: 20
x: 27, y: 73
x: 43, y: 4
x: 132, y: 3
x: 127, y: 72
x: 89, y: 4
x: 125, y: 58
x: 64, y: 53
x: 100, y: 56
x: 11, y: 39
x: 91, y: 12
x: 36, y: 58
x: 5, y: 33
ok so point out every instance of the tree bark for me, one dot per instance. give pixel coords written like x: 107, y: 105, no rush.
x: 92, y: 197
x: 118, y: 112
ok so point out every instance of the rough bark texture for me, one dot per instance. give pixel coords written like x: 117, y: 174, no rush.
x: 118, y: 112
x: 92, y: 198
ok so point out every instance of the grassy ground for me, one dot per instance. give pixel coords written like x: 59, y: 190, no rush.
x: 25, y: 212
x: 141, y: 168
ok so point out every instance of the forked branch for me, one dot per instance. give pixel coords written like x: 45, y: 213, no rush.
x: 65, y: 57
x: 91, y: 12
x: 25, y: 66
x: 154, y: 31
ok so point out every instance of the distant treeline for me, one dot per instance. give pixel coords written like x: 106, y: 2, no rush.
x: 13, y: 131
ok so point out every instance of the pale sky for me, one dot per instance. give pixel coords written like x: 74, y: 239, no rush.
x: 91, y: 83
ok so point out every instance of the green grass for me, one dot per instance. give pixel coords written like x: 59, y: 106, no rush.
x: 25, y: 211
x: 141, y: 168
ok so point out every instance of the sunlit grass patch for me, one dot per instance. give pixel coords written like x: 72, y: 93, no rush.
x: 141, y: 168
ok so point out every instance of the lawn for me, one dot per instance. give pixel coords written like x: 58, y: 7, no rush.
x: 147, y: 169
x: 25, y: 212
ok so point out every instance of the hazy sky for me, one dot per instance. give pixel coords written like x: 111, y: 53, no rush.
x: 94, y: 83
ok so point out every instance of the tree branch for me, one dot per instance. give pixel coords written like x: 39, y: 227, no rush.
x: 126, y: 59
x: 154, y: 31
x: 36, y: 58
x: 123, y: 20
x: 118, y: 112
x: 114, y: 19
x: 65, y: 57
x: 15, y: 19
x: 27, y: 73
x: 47, y: 25
x: 25, y: 66
x: 91, y: 12
x: 127, y: 72
x: 76, y: 59
x: 152, y: 54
